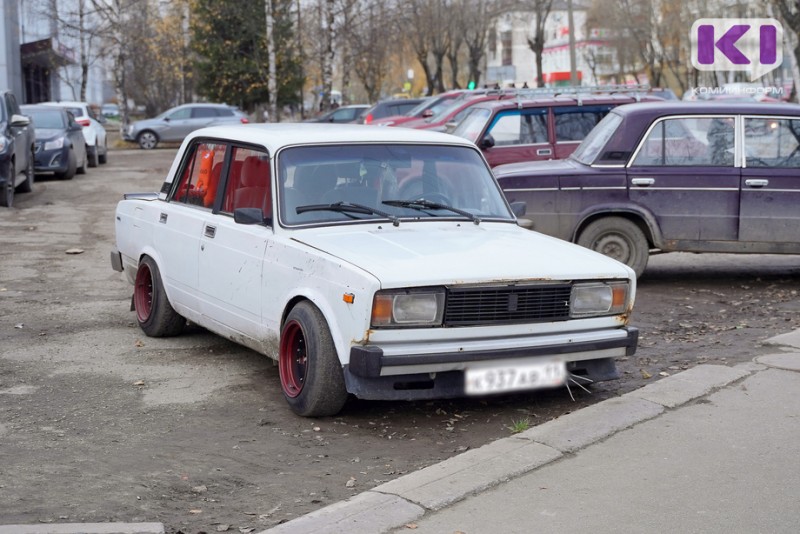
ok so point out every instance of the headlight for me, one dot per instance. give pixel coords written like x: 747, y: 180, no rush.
x: 3, y: 142
x: 423, y: 307
x: 54, y: 143
x: 598, y: 298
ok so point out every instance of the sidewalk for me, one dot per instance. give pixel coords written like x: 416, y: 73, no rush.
x: 711, y: 449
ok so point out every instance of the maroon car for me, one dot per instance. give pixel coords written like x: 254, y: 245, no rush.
x: 683, y: 176
x: 541, y: 128
x: 454, y: 112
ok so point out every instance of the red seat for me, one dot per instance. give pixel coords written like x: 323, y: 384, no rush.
x: 254, y: 186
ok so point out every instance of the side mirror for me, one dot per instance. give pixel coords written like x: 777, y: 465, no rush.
x: 487, y: 141
x: 427, y: 113
x: 20, y: 120
x: 248, y: 216
x: 519, y: 208
x: 166, y: 119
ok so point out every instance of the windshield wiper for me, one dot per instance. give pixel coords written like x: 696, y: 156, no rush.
x: 347, y: 208
x: 422, y: 205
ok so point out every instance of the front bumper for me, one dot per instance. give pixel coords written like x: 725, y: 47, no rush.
x: 55, y: 160
x: 373, y: 374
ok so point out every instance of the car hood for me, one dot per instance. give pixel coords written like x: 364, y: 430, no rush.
x: 549, y: 167
x: 45, y: 134
x: 440, y: 253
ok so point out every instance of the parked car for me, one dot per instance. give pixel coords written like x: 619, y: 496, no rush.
x: 379, y: 262
x: 60, y: 143
x: 693, y: 177
x: 540, y: 128
x: 178, y: 122
x: 392, y: 106
x: 453, y: 112
x: 110, y: 110
x: 345, y: 114
x: 93, y: 131
x: 16, y: 150
x: 427, y: 108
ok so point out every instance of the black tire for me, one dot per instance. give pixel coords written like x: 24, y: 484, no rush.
x: 154, y: 313
x: 71, y: 167
x: 91, y: 155
x: 7, y: 193
x: 617, y: 238
x: 147, y: 140
x: 311, y: 374
x: 102, y: 159
x: 27, y: 185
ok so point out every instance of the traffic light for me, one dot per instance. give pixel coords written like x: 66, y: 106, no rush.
x: 471, y: 85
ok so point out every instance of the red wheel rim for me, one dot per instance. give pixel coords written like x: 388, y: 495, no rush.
x: 293, y: 359
x: 143, y: 293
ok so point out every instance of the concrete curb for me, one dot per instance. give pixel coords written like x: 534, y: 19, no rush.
x: 84, y: 528
x: 405, y: 499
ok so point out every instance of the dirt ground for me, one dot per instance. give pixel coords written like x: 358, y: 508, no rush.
x: 100, y: 423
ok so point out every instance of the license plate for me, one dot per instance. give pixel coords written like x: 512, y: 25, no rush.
x: 503, y: 378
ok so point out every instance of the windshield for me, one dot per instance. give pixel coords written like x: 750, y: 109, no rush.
x: 591, y: 147
x: 419, y: 108
x: 473, y: 124
x: 47, y: 119
x: 350, y: 183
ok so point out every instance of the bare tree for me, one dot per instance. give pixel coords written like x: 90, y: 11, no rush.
x: 478, y: 16
x: 272, y: 83
x: 541, y: 10
x: 370, y: 45
x: 328, y: 32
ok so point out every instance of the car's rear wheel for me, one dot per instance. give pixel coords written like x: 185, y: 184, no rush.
x: 147, y: 140
x: 617, y: 238
x: 7, y: 193
x: 155, y: 314
x: 102, y: 158
x: 311, y: 374
x: 91, y: 155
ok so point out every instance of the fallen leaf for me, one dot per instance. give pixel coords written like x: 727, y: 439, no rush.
x: 195, y: 511
x: 139, y: 383
x: 646, y: 375
x: 139, y: 343
x: 74, y: 251
x: 411, y: 526
x: 663, y: 373
x: 350, y: 483
x: 223, y: 528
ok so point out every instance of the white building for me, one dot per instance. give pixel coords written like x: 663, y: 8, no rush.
x: 511, y: 60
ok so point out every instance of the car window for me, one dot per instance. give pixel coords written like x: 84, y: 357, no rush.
x: 403, y: 107
x: 78, y: 112
x: 591, y: 147
x: 200, y: 174
x: 372, y: 175
x: 345, y: 114
x: 689, y: 141
x: 225, y: 112
x: 575, y: 123
x: 473, y: 123
x: 203, y: 113
x: 180, y: 114
x: 248, y: 183
x: 771, y: 142
x: 47, y: 118
x: 519, y: 127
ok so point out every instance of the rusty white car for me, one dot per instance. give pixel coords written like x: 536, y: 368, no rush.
x: 383, y: 263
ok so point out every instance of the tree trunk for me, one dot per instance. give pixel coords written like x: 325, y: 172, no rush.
x: 272, y: 83
x: 327, y: 55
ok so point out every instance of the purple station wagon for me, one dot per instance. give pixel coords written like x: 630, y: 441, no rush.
x: 683, y: 176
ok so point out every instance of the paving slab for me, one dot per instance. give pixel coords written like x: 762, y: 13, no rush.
x: 787, y: 360
x: 84, y: 528
x: 690, y: 384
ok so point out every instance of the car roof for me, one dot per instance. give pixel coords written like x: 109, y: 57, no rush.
x: 680, y: 107
x: 43, y: 107
x: 66, y: 103
x: 562, y: 100
x: 276, y: 136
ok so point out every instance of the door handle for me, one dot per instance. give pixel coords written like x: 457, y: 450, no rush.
x: 210, y: 231
x: 643, y: 182
x: 544, y: 152
x: 756, y: 182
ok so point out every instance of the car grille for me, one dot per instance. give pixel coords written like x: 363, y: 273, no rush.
x: 507, y: 304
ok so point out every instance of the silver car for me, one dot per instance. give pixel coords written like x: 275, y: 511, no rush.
x: 176, y: 123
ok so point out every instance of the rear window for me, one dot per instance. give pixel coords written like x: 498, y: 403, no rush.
x: 591, y: 147
x: 201, y: 113
x: 225, y: 112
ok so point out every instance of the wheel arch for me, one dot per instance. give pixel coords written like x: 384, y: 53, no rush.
x: 151, y: 252
x: 641, y: 218
x: 320, y: 303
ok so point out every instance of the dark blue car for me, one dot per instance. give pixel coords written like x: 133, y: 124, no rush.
x: 683, y: 176
x: 60, y: 145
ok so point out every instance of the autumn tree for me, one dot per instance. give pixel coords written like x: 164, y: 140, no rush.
x: 540, y: 10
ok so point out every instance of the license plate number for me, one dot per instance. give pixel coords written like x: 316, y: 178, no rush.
x: 505, y: 378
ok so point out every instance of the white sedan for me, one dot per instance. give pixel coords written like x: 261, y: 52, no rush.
x: 383, y: 263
